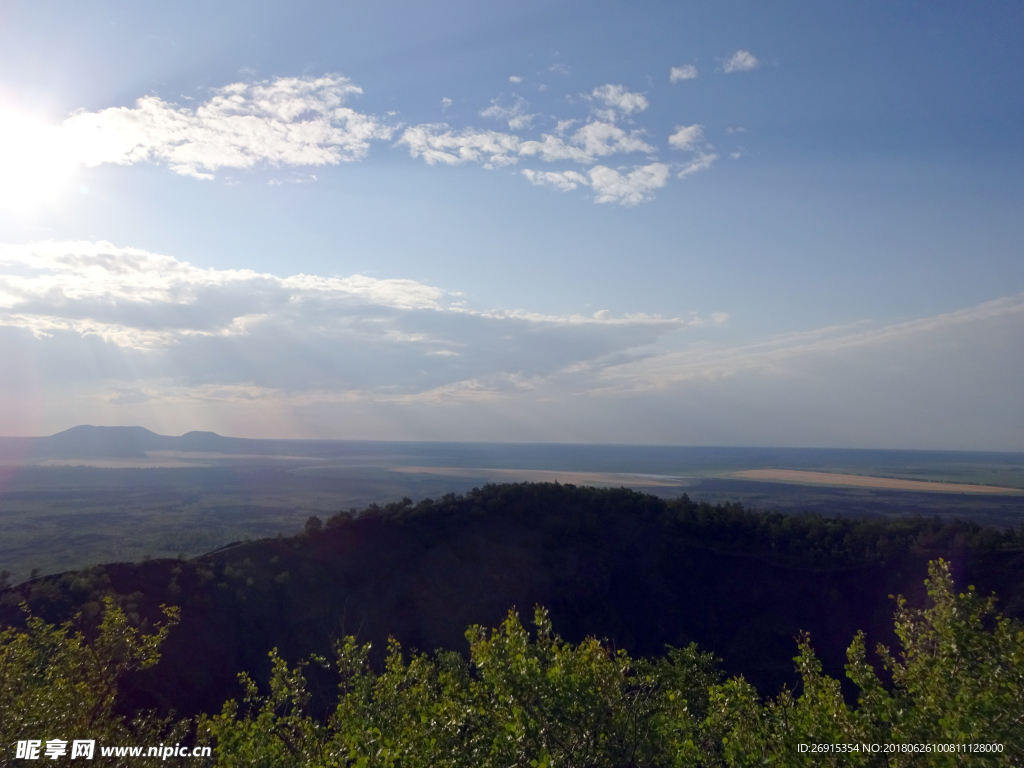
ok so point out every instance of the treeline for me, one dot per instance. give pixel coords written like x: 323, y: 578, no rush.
x: 951, y: 694
x: 809, y: 539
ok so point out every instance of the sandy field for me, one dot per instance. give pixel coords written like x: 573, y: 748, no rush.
x: 548, y: 476
x: 859, y: 481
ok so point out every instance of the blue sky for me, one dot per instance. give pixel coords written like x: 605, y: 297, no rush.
x: 732, y: 223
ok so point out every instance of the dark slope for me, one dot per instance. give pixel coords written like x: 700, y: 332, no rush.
x: 635, y: 569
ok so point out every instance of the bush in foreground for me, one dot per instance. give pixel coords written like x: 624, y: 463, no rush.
x: 56, y: 684
x: 533, y: 700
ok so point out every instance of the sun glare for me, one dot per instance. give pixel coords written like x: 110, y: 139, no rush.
x: 35, y: 161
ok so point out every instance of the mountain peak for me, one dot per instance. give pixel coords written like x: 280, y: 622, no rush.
x: 88, y: 441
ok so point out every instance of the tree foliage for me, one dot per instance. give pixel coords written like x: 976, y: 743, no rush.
x: 641, y: 570
x: 525, y: 700
x: 57, y: 683
x: 530, y: 699
x: 957, y: 679
x: 518, y: 701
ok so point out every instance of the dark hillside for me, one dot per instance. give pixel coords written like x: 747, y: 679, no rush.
x: 633, y: 568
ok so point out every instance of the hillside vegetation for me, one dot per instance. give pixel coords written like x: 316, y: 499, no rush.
x: 635, y: 570
x: 952, y: 694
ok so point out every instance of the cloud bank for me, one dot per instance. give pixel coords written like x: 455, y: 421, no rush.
x: 144, y: 317
x: 306, y: 121
x: 92, y: 332
x: 599, y: 137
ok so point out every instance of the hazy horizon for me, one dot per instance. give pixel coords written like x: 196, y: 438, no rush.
x: 88, y: 437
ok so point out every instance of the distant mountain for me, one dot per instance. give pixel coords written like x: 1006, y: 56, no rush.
x: 87, y: 441
x: 206, y: 441
x: 90, y: 442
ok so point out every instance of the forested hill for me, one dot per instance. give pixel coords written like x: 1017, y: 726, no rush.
x: 638, y: 570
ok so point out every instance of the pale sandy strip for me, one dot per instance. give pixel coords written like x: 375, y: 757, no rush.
x: 548, y: 476
x: 860, y: 481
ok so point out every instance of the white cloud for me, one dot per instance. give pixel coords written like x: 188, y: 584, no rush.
x: 552, y: 148
x: 596, y: 139
x: 609, y: 185
x: 685, y: 72
x: 779, y: 353
x: 617, y: 97
x: 304, y: 121
x: 559, y: 67
x: 687, y: 136
x: 630, y: 188
x: 701, y: 162
x: 690, y: 138
x: 601, y: 139
x: 515, y: 79
x: 741, y: 61
x: 133, y: 298
x: 562, y: 180
x: 593, y: 140
x: 299, y: 122
x: 144, y: 321
x: 516, y: 116
x: 438, y: 143
x: 286, y: 121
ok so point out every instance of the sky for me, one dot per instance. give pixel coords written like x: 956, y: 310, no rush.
x: 686, y: 223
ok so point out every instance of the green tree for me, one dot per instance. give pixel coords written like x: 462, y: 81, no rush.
x: 958, y: 679
x: 558, y: 704
x: 271, y: 730
x: 534, y: 700
x: 519, y: 701
x: 415, y: 713
x: 54, y: 683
